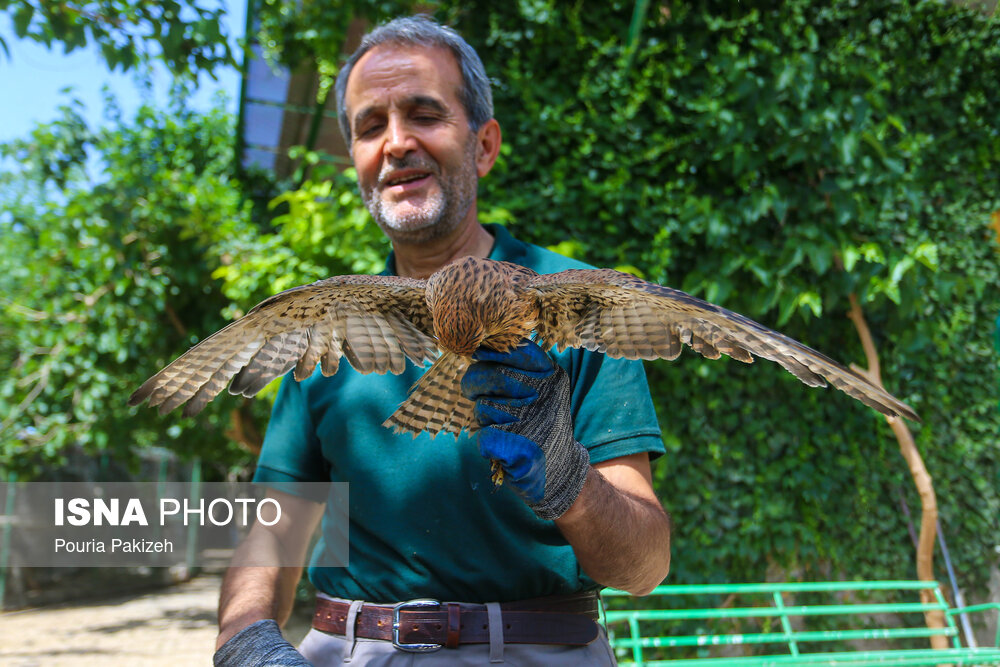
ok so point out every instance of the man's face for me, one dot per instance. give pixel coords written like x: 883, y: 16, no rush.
x: 411, y: 143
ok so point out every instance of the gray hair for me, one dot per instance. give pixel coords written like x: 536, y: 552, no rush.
x: 420, y: 30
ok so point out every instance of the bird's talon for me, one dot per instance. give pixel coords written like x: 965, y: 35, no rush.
x: 496, y: 473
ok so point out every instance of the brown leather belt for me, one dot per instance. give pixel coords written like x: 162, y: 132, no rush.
x: 427, y: 625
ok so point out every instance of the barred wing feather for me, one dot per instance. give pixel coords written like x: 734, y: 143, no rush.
x: 376, y: 322
x: 622, y: 316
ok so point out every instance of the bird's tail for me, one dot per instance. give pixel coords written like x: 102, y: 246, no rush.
x: 435, y: 402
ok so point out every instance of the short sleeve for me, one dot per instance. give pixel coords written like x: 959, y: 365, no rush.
x: 291, y: 451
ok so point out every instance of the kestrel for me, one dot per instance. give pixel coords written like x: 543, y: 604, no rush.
x: 377, y: 322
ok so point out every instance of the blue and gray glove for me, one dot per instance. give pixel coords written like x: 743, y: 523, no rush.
x: 259, y: 645
x: 523, y: 404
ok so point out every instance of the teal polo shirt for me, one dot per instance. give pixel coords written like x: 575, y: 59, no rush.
x: 425, y: 520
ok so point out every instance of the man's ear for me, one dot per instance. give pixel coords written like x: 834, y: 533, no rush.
x: 487, y: 146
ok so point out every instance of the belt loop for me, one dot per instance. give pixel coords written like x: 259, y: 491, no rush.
x: 454, y: 625
x: 351, y: 626
x: 495, y: 620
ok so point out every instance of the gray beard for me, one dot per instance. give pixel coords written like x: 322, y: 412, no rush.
x: 441, y: 215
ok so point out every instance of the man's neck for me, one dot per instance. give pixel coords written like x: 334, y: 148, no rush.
x: 421, y: 260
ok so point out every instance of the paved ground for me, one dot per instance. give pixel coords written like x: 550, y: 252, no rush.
x: 171, y: 626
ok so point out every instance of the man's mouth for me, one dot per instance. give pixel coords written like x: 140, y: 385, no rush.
x: 403, y: 179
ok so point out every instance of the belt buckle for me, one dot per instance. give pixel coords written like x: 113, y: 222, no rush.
x: 411, y: 648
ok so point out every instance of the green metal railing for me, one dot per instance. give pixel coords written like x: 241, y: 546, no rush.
x: 792, y: 640
x: 980, y: 607
x: 5, y: 533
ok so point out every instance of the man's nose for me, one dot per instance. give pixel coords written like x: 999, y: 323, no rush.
x: 399, y: 139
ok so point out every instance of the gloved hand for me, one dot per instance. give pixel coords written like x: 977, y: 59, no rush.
x: 522, y: 402
x: 259, y: 645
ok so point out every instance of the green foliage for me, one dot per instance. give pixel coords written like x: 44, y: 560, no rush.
x: 322, y: 229
x: 187, y: 36
x: 313, y: 34
x: 776, y: 157
x: 295, y: 33
x: 107, y: 277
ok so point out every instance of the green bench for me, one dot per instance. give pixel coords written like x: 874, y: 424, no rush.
x: 788, y: 624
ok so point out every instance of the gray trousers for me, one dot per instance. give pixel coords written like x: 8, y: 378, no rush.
x: 327, y: 650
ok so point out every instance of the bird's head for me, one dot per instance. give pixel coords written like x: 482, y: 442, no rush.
x: 459, y: 297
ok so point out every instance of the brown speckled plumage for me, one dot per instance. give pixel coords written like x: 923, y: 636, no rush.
x: 376, y: 321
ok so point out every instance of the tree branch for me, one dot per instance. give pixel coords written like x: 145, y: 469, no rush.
x: 43, y: 381
x: 921, y: 478
x: 174, y: 320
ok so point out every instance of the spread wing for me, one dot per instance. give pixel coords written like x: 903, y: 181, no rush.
x: 374, y: 321
x: 623, y: 316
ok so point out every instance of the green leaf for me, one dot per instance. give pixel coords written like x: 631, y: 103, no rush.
x: 900, y: 269
x: 927, y: 254
x: 812, y: 301
x: 851, y: 256
x: 22, y: 19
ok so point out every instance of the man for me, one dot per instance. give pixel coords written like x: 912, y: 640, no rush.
x: 576, y: 511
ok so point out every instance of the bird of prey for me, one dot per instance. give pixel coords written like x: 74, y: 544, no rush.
x: 377, y: 322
